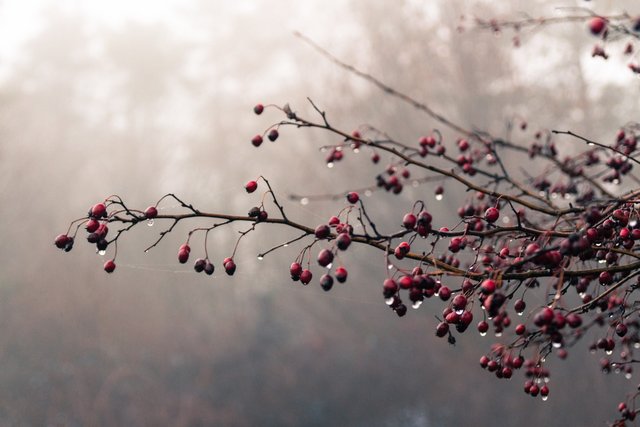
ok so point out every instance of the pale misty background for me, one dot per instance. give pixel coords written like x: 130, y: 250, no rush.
x: 142, y: 98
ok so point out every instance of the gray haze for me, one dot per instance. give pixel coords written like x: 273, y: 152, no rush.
x: 140, y: 104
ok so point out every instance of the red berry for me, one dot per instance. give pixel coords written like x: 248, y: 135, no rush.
x: 92, y: 225
x: 605, y: 278
x: 183, y: 256
x: 483, y: 327
x: 353, y: 197
x: 258, y: 109
x: 375, y: 157
x: 151, y: 212
x: 409, y: 221
x: 520, y: 329
x: 325, y: 257
x: 295, y: 270
x: 444, y: 293
x: 109, y: 266
x: 519, y: 306
x: 322, y: 231
x: 256, y: 140
x: 463, y: 145
x: 459, y: 302
x: 343, y: 241
x: 389, y: 288
x: 61, y: 241
x: 305, y: 277
x: 488, y: 287
x: 442, y: 329
x: 229, y: 266
x: 597, y: 25
x: 99, y: 210
x: 491, y: 215
x: 251, y: 186
x: 341, y: 274
x: 209, y: 268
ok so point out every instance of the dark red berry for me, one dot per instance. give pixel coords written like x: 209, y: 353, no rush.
x: 151, y: 212
x: 341, y: 274
x: 109, y: 266
x: 343, y: 241
x: 322, y: 231
x: 597, y: 25
x: 295, y: 270
x: 273, y: 135
x: 229, y: 266
x: 209, y: 268
x: 183, y: 256
x: 325, y: 257
x: 305, y: 277
x: 199, y: 265
x: 92, y: 225
x: 61, y: 241
x: 488, y: 287
x: 256, y: 140
x: 353, y: 197
x: 258, y: 109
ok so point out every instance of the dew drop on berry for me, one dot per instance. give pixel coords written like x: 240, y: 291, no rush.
x: 389, y: 301
x: 544, y: 398
x: 483, y: 334
x: 102, y: 252
x: 329, y: 266
x: 557, y: 345
x: 150, y: 222
x: 416, y: 305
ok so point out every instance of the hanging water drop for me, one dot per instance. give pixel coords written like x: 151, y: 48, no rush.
x: 329, y: 266
x: 482, y: 334
x: 498, y: 334
x: 416, y: 304
x: 285, y: 245
x: 260, y: 257
x: 389, y: 301
x: 628, y: 375
x: 590, y: 144
x: 439, y: 196
x: 609, y: 352
x: 304, y: 201
x: 150, y: 222
x: 102, y: 252
x: 636, y: 345
x: 459, y: 312
x: 544, y: 398
x: 389, y: 266
x: 557, y: 345
x: 330, y: 165
x: 368, y: 193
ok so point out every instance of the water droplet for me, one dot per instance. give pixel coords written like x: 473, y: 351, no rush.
x: 260, y: 257
x: 482, y: 334
x: 598, y: 243
x: 519, y: 313
x: 557, y: 345
x: 541, y: 193
x: 602, y: 261
x: 544, y: 398
x: 459, y: 312
x: 592, y: 351
x: 616, y: 181
x: 339, y: 148
x: 636, y: 345
x: 356, y: 150
x: 628, y: 375
x: 330, y: 165
x: 389, y: 267
x: 415, y: 183
x: 498, y: 334
x: 304, y: 201
x: 285, y: 245
x: 102, y: 252
x: 633, y: 223
x: 546, y: 379
x: 416, y: 305
x: 590, y: 143
x: 389, y: 301
x: 439, y: 196
x: 567, y: 196
x: 150, y: 222
x: 368, y: 193
x: 506, y: 219
x: 554, y: 195
x: 609, y: 352
x: 146, y: 251
x: 329, y: 266
x: 544, y: 359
